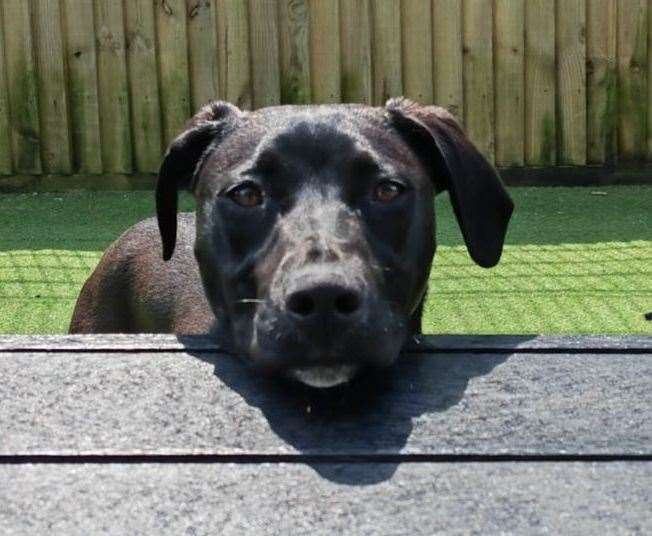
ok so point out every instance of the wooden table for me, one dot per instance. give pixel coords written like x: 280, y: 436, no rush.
x: 154, y: 434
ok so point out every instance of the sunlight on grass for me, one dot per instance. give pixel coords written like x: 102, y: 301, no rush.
x: 574, y: 262
x: 565, y: 288
x: 38, y: 289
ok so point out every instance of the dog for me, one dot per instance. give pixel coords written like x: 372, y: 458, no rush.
x: 313, y: 238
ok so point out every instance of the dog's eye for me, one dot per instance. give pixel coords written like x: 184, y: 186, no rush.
x: 247, y: 194
x: 387, y: 191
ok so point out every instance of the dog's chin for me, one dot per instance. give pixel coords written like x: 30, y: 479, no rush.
x: 323, y: 377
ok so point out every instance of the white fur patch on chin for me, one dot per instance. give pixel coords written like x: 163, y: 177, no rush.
x: 324, y: 377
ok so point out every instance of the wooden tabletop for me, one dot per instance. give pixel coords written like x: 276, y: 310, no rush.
x: 159, y: 434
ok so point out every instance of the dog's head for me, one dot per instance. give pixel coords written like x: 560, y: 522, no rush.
x: 315, y: 225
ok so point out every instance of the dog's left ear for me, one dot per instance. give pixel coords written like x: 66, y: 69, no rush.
x: 183, y: 158
x: 482, y: 205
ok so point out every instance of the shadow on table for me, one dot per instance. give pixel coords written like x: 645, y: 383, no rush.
x: 373, y: 415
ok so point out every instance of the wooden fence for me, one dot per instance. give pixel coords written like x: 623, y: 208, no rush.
x: 93, y: 87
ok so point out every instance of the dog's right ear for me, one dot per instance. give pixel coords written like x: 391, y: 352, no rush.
x: 183, y: 158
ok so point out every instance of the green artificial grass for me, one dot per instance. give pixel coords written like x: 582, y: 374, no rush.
x: 576, y: 260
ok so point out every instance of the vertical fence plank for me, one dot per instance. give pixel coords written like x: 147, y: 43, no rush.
x: 447, y: 55
x: 202, y: 48
x: 143, y: 85
x: 386, y: 51
x: 22, y: 85
x: 478, y: 74
x: 649, y: 82
x: 265, y: 67
x: 510, y: 97
x: 5, y: 138
x: 234, y: 54
x: 601, y: 79
x: 56, y: 145
x: 540, y: 83
x: 112, y: 80
x: 81, y: 58
x: 325, y: 68
x: 355, y: 39
x: 632, y: 79
x: 417, y: 50
x: 571, y: 82
x: 173, y: 66
x: 294, y: 17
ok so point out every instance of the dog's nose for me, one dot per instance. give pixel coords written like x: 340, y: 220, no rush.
x: 325, y: 300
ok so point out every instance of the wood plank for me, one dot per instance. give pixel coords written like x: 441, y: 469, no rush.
x: 203, y: 54
x: 447, y: 56
x: 234, y: 53
x: 416, y: 25
x: 514, y: 404
x: 56, y: 145
x: 143, y: 85
x: 22, y: 86
x: 632, y: 79
x: 263, y: 40
x: 118, y: 342
x: 79, y: 33
x: 294, y: 17
x: 325, y: 65
x: 386, y: 50
x: 113, y: 87
x: 602, y: 87
x: 510, y: 90
x: 5, y: 120
x: 355, y: 40
x: 172, y: 52
x: 571, y: 81
x: 478, y: 75
x: 540, y: 83
x: 421, y: 498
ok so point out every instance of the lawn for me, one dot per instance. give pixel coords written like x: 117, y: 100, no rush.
x: 576, y: 260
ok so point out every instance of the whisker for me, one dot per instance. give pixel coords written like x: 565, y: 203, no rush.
x: 249, y: 300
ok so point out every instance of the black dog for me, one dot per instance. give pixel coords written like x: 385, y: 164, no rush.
x: 313, y: 237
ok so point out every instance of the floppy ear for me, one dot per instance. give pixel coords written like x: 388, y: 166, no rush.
x: 183, y: 158
x: 482, y: 205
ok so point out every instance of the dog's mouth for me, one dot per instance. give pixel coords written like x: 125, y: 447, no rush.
x: 324, y: 377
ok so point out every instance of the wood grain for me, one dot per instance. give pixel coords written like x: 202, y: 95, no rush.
x: 81, y: 59
x: 479, y: 75
x: 56, y: 143
x: 172, y: 50
x: 632, y: 79
x: 5, y: 119
x: 602, y: 81
x: 113, y: 87
x: 294, y: 17
x: 447, y: 56
x: 143, y: 85
x: 571, y: 82
x: 387, y: 67
x: 510, y: 78
x: 416, y: 32
x: 265, y: 63
x: 22, y: 86
x: 540, y: 84
x: 203, y: 53
x: 325, y: 67
x: 234, y: 52
x: 355, y: 40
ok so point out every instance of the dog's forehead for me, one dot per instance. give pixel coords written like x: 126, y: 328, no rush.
x: 313, y: 135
